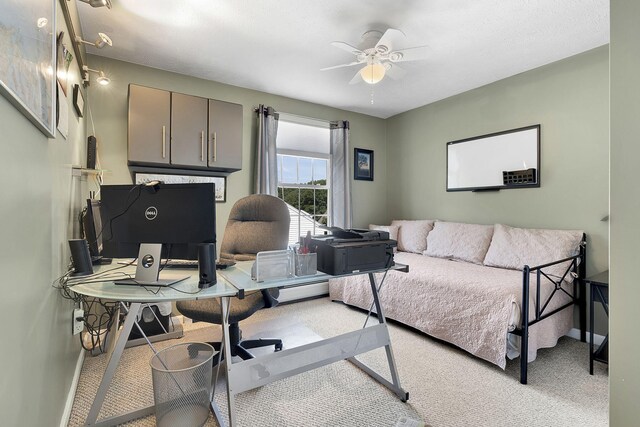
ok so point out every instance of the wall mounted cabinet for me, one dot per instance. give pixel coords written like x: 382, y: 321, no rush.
x: 149, y: 125
x: 174, y: 130
x: 188, y: 130
x: 225, y: 135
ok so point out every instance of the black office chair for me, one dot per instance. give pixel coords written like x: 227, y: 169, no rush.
x: 256, y: 223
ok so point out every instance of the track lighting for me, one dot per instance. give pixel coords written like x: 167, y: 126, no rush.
x: 102, y: 41
x: 98, y: 3
x: 102, y: 79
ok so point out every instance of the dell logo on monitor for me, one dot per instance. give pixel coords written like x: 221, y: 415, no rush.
x: 151, y: 213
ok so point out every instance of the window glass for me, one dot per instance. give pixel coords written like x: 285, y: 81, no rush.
x: 303, y: 177
x: 305, y: 170
x: 321, y: 197
x: 320, y: 169
x: 289, y: 169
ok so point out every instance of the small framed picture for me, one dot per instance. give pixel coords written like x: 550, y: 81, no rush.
x: 78, y: 100
x: 219, y: 181
x: 363, y: 164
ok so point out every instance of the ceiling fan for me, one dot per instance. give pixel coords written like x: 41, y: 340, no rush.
x: 378, y: 56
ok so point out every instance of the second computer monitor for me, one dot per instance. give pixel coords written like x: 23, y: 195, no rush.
x: 92, y: 225
x: 179, y: 216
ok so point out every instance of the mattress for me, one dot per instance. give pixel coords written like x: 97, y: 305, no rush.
x: 471, y: 306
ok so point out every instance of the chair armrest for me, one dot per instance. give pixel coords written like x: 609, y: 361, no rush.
x: 270, y: 296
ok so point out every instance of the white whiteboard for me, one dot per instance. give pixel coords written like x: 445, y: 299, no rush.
x: 478, y: 163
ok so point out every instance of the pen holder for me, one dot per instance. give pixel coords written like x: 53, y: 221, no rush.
x: 306, y: 264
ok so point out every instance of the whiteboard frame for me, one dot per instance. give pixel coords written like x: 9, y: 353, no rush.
x: 487, y: 138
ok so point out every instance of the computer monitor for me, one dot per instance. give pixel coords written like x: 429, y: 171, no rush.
x: 92, y: 226
x: 178, y: 216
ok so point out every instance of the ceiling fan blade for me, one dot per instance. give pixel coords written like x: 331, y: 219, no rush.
x: 356, y: 79
x: 340, y: 66
x: 347, y: 47
x: 388, y: 39
x: 417, y: 53
x: 394, y: 71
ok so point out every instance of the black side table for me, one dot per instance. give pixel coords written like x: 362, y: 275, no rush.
x: 599, y: 293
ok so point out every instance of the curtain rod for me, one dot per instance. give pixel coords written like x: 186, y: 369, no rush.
x: 318, y: 122
x: 257, y: 109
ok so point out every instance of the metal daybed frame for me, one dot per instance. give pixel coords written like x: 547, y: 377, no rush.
x: 576, y: 269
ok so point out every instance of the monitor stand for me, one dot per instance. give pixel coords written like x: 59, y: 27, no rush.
x: 148, y: 268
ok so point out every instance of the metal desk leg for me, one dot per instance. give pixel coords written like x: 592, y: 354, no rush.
x: 394, y: 385
x: 112, y: 365
x: 228, y: 362
x: 591, y: 322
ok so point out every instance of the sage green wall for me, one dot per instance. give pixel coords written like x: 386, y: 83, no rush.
x: 40, y: 200
x: 109, y: 107
x: 624, y: 369
x: 570, y: 99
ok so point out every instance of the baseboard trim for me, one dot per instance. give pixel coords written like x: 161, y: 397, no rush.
x: 66, y: 414
x: 300, y: 292
x: 575, y: 333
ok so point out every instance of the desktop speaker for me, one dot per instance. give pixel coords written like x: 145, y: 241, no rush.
x: 207, y: 264
x: 80, y: 257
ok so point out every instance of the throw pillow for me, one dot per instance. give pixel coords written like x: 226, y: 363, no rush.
x: 465, y: 242
x: 412, y: 234
x: 516, y: 247
x: 391, y: 229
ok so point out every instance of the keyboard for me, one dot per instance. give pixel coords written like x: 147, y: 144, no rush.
x: 180, y: 263
x: 174, y: 263
x: 187, y: 263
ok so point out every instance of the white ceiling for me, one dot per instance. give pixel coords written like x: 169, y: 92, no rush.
x: 279, y: 46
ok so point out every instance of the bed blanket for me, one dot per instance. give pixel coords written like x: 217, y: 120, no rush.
x: 471, y: 306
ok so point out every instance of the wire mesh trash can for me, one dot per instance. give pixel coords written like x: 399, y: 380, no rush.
x: 182, y: 384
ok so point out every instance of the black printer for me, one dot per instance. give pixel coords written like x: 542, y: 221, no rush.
x: 353, y: 250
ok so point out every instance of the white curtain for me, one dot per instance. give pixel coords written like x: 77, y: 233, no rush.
x: 341, y: 214
x: 267, y: 159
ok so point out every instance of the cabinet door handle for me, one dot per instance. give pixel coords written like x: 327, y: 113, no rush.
x: 202, y: 146
x: 164, y: 142
x: 215, y: 146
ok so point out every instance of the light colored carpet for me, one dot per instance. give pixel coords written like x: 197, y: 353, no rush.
x: 447, y: 386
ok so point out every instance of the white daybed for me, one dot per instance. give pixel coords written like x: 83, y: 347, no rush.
x: 466, y: 283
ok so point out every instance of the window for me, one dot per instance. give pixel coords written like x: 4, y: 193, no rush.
x: 303, y: 175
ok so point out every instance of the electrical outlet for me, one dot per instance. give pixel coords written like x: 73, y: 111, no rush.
x: 77, y: 325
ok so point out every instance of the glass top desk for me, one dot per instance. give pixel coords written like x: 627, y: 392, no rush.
x: 184, y: 290
x: 138, y: 296
x: 249, y: 374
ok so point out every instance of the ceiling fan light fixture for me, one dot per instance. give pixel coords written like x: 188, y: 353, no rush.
x: 373, y: 73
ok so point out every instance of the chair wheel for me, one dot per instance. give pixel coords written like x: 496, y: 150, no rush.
x: 278, y: 347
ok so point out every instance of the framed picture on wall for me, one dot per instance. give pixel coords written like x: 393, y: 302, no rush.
x: 63, y: 60
x: 363, y: 164
x: 219, y: 181
x: 27, y: 63
x: 78, y: 100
